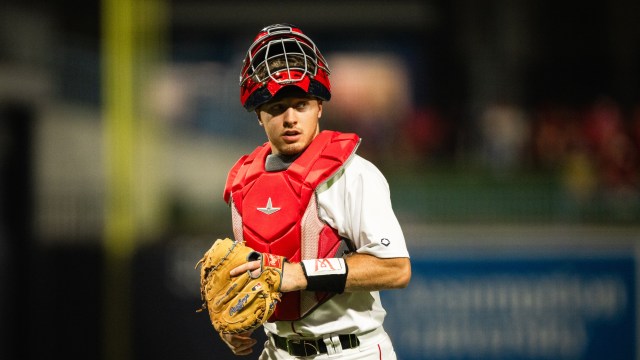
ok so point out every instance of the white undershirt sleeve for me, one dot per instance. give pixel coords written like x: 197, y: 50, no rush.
x: 358, y: 205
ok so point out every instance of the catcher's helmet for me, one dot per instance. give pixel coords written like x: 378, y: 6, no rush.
x: 281, y: 55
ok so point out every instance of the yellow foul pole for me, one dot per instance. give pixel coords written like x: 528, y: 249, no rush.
x: 120, y: 229
x: 132, y: 48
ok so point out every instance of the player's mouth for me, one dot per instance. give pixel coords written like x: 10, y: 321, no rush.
x: 291, y: 136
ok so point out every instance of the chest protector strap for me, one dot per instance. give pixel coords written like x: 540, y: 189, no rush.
x: 276, y: 212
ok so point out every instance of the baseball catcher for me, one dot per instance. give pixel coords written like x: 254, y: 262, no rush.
x: 241, y: 303
x: 306, y: 196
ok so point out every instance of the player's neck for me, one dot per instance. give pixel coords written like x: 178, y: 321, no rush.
x: 279, y: 162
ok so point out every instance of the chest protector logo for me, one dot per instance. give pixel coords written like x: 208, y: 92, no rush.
x: 276, y: 212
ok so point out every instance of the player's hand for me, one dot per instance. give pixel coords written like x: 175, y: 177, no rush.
x: 240, y: 344
x: 292, y: 276
x: 252, y: 266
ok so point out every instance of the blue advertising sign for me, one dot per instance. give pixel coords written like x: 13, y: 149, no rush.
x: 569, y: 307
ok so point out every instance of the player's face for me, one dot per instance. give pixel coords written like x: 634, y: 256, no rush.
x: 291, y: 123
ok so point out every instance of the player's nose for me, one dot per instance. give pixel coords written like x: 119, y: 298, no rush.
x: 289, y: 116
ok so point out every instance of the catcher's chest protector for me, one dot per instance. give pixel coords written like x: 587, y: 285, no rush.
x: 276, y: 212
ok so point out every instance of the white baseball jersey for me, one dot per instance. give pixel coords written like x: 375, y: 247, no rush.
x: 357, y: 203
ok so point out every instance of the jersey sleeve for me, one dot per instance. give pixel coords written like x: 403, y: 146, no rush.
x: 358, y: 204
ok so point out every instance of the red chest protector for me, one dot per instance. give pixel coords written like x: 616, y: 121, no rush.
x: 276, y: 212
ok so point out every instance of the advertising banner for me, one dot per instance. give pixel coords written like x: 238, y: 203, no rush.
x: 543, y: 306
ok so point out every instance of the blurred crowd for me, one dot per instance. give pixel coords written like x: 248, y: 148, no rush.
x: 595, y: 148
x: 592, y: 149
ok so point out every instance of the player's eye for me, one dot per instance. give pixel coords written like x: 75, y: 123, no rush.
x: 276, y: 108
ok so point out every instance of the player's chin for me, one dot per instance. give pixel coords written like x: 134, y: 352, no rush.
x: 291, y: 149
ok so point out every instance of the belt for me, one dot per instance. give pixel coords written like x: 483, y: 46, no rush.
x: 309, y: 347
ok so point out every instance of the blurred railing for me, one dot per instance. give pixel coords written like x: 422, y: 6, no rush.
x: 436, y: 196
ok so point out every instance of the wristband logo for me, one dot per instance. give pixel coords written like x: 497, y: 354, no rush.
x: 329, y: 266
x: 324, y: 265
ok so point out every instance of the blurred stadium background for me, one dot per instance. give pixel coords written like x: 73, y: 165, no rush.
x: 509, y: 132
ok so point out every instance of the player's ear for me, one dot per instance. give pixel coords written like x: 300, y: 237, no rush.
x: 258, y: 116
x: 319, y: 109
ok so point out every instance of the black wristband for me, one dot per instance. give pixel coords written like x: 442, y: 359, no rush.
x: 329, y: 275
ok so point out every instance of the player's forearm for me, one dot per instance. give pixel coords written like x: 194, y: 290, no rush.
x: 366, y: 273
x: 369, y: 273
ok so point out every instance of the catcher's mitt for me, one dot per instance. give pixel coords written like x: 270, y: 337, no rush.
x: 241, y: 303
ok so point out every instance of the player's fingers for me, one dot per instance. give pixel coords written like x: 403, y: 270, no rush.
x: 240, y: 344
x: 249, y: 266
x: 244, y: 347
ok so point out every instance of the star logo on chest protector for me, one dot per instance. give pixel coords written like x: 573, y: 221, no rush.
x: 268, y: 209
